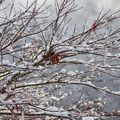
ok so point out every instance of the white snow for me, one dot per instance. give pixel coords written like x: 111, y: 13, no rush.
x: 65, y: 113
x: 63, y: 70
x: 88, y: 118
x: 56, y: 112
x: 90, y: 83
x: 116, y: 92
x: 6, y: 62
x: 72, y: 73
x: 84, y: 44
x: 52, y: 108
x: 28, y: 44
x: 108, y: 54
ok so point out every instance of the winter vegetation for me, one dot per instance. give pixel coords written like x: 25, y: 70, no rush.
x: 50, y: 70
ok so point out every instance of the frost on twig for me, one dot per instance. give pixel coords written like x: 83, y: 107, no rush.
x: 43, y: 63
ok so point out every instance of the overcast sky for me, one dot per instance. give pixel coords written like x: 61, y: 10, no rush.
x: 90, y: 10
x: 109, y: 4
x: 89, y: 4
x: 90, y: 7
